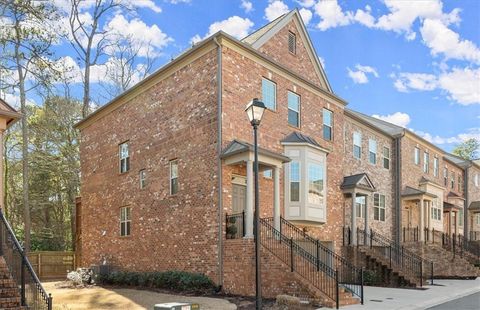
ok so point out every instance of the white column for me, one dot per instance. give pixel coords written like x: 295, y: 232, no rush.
x: 367, y: 222
x: 422, y: 220
x: 249, y: 203
x: 354, y: 219
x: 276, y: 198
x: 429, y: 215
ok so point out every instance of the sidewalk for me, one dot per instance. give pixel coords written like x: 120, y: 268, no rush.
x: 394, y: 298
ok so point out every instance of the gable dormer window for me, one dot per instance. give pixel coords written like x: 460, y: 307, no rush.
x: 292, y: 43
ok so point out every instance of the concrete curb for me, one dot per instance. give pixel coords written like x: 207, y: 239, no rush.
x: 439, y: 301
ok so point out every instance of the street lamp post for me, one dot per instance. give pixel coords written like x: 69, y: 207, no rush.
x: 255, y: 109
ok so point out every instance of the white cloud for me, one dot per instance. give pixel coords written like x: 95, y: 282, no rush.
x: 471, y: 133
x: 365, y: 17
x: 247, y: 6
x: 306, y: 15
x: 360, y: 75
x: 275, y: 9
x: 235, y: 26
x: 306, y: 3
x: 148, y: 4
x: 397, y: 118
x: 142, y: 34
x: 331, y: 15
x: 460, y: 85
x: 440, y: 39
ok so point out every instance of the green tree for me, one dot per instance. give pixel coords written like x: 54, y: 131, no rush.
x: 468, y: 149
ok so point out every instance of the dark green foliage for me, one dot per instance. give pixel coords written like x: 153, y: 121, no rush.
x: 371, y: 278
x: 170, y: 280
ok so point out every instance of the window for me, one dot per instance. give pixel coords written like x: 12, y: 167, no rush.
x: 327, y: 124
x: 386, y: 157
x: 445, y: 177
x: 372, y: 151
x: 379, y: 207
x: 460, y: 217
x: 435, y: 166
x: 360, y: 206
x: 294, y: 181
x: 125, y: 221
x: 143, y: 178
x: 417, y: 156
x: 477, y: 218
x: 459, y: 183
x: 173, y: 177
x: 452, y: 181
x: 436, y: 212
x: 268, y: 173
x: 357, y: 145
x: 293, y: 109
x: 292, y: 43
x: 315, y: 183
x: 269, y: 94
x: 124, y: 155
x: 475, y: 179
x: 426, y: 162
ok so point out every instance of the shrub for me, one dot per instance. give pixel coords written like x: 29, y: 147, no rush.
x: 370, y: 277
x: 171, y: 280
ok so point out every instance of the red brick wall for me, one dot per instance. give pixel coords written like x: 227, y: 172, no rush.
x: 300, y: 63
x: 242, y: 82
x: 174, y: 119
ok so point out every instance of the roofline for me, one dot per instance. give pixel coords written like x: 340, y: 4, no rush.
x: 349, y: 113
x: 222, y: 35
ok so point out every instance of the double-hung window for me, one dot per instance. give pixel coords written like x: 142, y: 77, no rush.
x: 142, y: 178
x: 459, y: 183
x: 460, y: 217
x: 386, y: 157
x: 125, y: 221
x: 293, y: 109
x: 269, y: 94
x: 124, y: 157
x: 426, y: 162
x: 294, y: 181
x: 435, y: 166
x: 445, y: 177
x: 357, y: 145
x: 173, y: 177
x: 327, y: 124
x: 452, y: 180
x: 315, y: 183
x: 436, y: 213
x: 379, y: 207
x: 416, y: 156
x: 372, y: 151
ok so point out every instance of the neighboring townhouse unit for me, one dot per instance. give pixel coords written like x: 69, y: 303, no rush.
x: 473, y: 200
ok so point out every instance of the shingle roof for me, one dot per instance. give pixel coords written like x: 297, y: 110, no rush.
x: 447, y: 205
x: 474, y: 206
x: 454, y: 195
x: 296, y: 137
x: 386, y: 127
x: 353, y: 181
x: 236, y: 147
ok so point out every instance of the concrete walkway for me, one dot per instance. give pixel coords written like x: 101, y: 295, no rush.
x: 379, y: 298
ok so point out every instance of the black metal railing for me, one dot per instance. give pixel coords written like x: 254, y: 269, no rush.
x: 317, y: 273
x: 392, y: 254
x: 235, y: 225
x: 461, y: 246
x: 474, y: 235
x: 410, y: 234
x: 350, y: 277
x: 32, y: 294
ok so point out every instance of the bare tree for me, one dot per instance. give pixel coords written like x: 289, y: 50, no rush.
x: 25, y: 42
x: 88, y: 39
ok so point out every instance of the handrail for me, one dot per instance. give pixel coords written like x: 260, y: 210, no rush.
x: 350, y: 276
x: 319, y: 274
x: 33, y: 295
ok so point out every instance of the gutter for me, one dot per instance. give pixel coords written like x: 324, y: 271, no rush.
x: 466, y: 202
x: 398, y: 186
x: 219, y: 162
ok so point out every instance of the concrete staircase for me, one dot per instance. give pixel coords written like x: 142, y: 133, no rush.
x: 447, y: 264
x: 9, y: 291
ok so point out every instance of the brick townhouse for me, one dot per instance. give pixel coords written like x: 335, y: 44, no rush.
x: 167, y: 169
x: 473, y: 200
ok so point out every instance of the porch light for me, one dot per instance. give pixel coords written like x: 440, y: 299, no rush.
x: 255, y: 109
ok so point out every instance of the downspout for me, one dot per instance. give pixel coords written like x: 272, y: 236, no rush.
x: 466, y: 202
x: 219, y: 162
x: 398, y: 187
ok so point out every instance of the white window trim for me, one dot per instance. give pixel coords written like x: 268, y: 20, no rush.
x: 370, y: 143
x: 416, y: 156
x: 426, y: 162
x: 360, y: 214
x: 274, y: 93
x: 121, y: 157
x: 142, y: 176
x: 126, y: 221
x: 299, y: 108
x: 174, y: 161
x: 385, y: 157
x: 354, y: 145
x: 379, y: 207
x: 435, y: 166
x: 327, y: 125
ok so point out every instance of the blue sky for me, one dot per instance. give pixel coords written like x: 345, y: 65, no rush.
x: 415, y: 63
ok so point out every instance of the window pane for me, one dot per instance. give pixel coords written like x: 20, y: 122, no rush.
x: 268, y: 173
x: 293, y: 109
x: 315, y: 183
x: 269, y: 96
x: 357, y: 151
x: 382, y: 214
x: 294, y: 191
x: 357, y: 138
x: 173, y: 169
x: 294, y: 181
x: 128, y: 212
x: 293, y: 118
x: 376, y: 214
x: 122, y: 228
x: 127, y: 233
x: 382, y: 201
x: 372, y: 149
x: 376, y: 199
x: 174, y: 186
x: 327, y: 117
x: 327, y: 132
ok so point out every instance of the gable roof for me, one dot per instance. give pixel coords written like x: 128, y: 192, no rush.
x: 262, y: 35
x: 385, y: 127
x: 8, y: 112
x: 237, y: 147
x: 360, y: 180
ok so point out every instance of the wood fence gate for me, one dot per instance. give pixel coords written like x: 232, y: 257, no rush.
x: 52, y: 265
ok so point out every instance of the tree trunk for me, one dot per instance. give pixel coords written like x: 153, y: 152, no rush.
x: 86, y: 88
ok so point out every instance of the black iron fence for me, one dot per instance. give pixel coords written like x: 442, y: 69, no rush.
x: 410, y: 234
x: 392, y: 254
x: 32, y: 294
x: 350, y: 277
x: 474, y: 236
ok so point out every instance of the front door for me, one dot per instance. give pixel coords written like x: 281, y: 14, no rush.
x: 239, y: 198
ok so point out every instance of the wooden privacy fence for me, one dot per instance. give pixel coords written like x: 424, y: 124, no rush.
x: 52, y: 265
